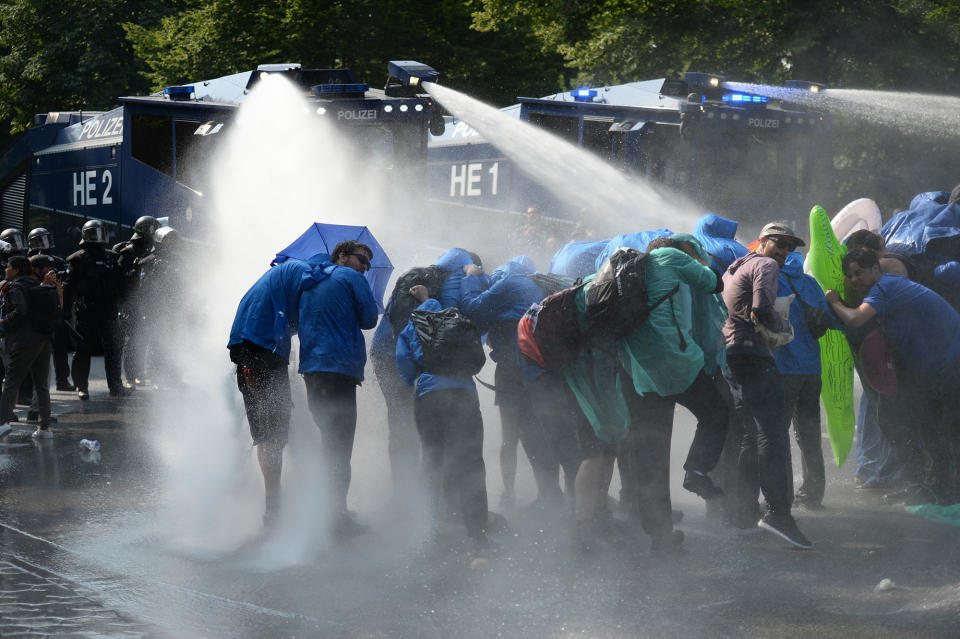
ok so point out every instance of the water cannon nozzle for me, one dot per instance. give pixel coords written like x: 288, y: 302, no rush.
x: 406, y: 76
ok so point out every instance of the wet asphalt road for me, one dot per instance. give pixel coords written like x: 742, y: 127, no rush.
x: 83, y: 552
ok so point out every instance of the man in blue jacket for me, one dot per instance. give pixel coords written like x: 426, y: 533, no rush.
x: 498, y: 310
x: 332, y: 357
x: 799, y: 362
x: 450, y: 425
x: 260, y: 347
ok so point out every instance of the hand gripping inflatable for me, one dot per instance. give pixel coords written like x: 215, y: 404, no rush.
x: 836, y: 360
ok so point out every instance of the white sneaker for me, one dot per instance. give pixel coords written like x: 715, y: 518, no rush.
x: 42, y: 434
x: 5, y: 430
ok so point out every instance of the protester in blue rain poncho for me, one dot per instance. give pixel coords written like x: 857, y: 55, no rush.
x: 498, y: 310
x: 577, y: 259
x: 799, y: 361
x: 332, y: 357
x: 450, y: 426
x: 260, y: 347
x: 453, y: 262
x: 717, y: 235
x: 403, y: 445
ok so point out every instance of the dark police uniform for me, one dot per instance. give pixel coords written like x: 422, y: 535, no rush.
x: 93, y: 287
x: 131, y: 256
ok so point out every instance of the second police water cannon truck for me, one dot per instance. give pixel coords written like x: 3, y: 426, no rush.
x: 735, y: 153
x: 148, y: 156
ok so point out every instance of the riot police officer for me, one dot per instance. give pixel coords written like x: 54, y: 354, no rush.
x: 14, y: 238
x: 40, y: 242
x: 132, y: 255
x: 93, y: 287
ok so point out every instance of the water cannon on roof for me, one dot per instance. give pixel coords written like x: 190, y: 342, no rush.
x: 803, y: 85
x: 407, y: 77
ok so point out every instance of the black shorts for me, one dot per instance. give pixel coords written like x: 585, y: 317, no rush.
x: 264, y: 382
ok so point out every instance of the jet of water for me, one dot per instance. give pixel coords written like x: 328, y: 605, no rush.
x: 917, y: 113
x: 613, y: 200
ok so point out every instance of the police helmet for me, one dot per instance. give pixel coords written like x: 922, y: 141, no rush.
x: 165, y: 237
x: 145, y: 227
x: 93, y: 232
x: 14, y: 238
x: 40, y: 238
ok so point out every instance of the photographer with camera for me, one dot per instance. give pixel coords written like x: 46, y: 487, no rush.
x: 40, y: 242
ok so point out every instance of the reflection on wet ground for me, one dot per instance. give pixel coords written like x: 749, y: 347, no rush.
x: 84, y: 553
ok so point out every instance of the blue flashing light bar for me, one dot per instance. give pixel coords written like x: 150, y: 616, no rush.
x: 584, y: 95
x: 178, y: 93
x: 743, y: 98
x: 341, y: 88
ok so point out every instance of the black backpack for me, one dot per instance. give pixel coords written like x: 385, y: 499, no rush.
x: 450, y: 341
x: 617, y: 298
x: 43, y: 308
x: 401, y: 303
x: 551, y: 283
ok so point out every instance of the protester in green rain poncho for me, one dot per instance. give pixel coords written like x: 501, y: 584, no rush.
x: 663, y: 358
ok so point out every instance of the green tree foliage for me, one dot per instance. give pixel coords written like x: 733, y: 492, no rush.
x: 65, y: 55
x: 906, y: 44
x: 216, y: 37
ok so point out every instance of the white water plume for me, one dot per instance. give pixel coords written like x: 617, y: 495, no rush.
x: 574, y: 175
x: 917, y: 113
x: 282, y: 168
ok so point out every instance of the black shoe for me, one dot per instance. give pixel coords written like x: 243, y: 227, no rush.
x: 802, y: 501
x: 786, y: 527
x: 24, y: 401
x: 83, y: 395
x: 120, y: 392
x: 13, y: 419
x: 699, y: 484
x: 34, y: 416
x: 66, y: 386
x: 669, y: 544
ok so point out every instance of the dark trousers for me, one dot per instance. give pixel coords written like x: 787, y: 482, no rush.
x: 451, y: 437
x: 61, y: 347
x: 556, y: 410
x: 517, y: 415
x: 644, y: 461
x: 764, y: 466
x: 707, y: 404
x: 921, y: 423
x: 33, y: 360
x: 802, y: 394
x: 332, y: 399
x: 403, y: 444
x: 97, y: 328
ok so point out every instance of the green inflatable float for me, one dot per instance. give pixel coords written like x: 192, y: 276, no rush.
x: 824, y: 263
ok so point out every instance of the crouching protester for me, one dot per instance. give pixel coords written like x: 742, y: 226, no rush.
x: 920, y: 331
x: 447, y: 414
x: 31, y: 312
x: 260, y: 347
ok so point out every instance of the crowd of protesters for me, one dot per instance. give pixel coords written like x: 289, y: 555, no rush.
x: 96, y: 301
x: 731, y: 334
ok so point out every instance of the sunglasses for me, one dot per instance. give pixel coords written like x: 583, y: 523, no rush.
x: 784, y: 243
x: 363, y: 259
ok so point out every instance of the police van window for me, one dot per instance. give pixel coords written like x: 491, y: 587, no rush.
x: 192, y: 153
x: 151, y: 141
x: 596, y: 135
x: 562, y: 125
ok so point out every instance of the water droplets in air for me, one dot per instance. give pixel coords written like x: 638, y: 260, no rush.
x: 915, y: 113
x: 609, y: 197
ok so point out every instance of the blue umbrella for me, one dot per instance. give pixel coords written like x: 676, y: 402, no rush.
x: 322, y: 238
